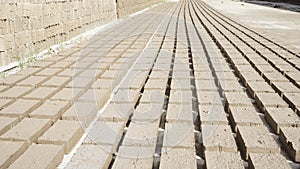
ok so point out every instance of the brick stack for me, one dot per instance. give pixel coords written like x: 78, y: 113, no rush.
x: 28, y: 27
x: 127, y: 7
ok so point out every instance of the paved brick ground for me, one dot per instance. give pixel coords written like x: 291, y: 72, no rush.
x: 178, y: 86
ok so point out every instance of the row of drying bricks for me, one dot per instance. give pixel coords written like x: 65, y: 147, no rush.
x: 42, y: 117
x: 283, y: 120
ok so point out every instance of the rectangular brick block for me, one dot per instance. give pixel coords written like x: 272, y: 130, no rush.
x: 91, y: 156
x: 178, y: 158
x: 16, y: 92
x: 259, y: 87
x: 156, y: 84
x: 7, y: 123
x: 180, y: 112
x: 281, y: 117
x: 237, y: 99
x: 244, y: 116
x: 181, y: 97
x: 212, y: 114
x: 262, y: 161
x: 41, y: 93
x: 105, y: 133
x: 117, y: 112
x: 209, y: 98
x: 256, y: 139
x: 206, y: 85
x: 10, y: 151
x: 28, y: 129
x: 63, y: 132
x: 153, y: 96
x: 39, y: 156
x: 134, y: 157
x: 21, y: 108
x: 226, y: 160
x: 67, y: 94
x: 32, y: 81
x: 51, y: 109
x: 141, y: 134
x: 218, y: 138
x: 289, y: 137
x: 179, y: 135
x: 270, y: 100
x: 56, y: 81
x: 146, y: 112
x: 126, y: 96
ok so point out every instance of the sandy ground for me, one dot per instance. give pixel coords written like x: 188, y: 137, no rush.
x: 282, y: 25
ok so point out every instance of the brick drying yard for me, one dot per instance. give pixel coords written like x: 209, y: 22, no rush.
x: 181, y: 85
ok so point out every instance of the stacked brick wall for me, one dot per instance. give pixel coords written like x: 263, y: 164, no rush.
x: 30, y: 26
x: 127, y: 7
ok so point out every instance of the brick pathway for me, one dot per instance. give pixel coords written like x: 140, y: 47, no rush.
x: 178, y: 86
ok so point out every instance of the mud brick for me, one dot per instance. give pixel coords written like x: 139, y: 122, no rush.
x: 41, y: 93
x: 4, y: 103
x: 179, y: 135
x: 218, y: 138
x: 281, y: 117
x: 262, y: 161
x: 180, y: 112
x: 206, y: 85
x: 244, y: 116
x: 231, y: 86
x: 178, y: 158
x: 7, y: 123
x: 104, y: 84
x: 181, y: 97
x: 91, y: 156
x: 212, y: 114
x: 209, y: 98
x: 146, y: 112
x: 259, y: 87
x: 32, y: 81
x: 181, y: 75
x: 28, y: 129
x: 49, y: 71
x: 237, y: 99
x: 80, y: 82
x: 293, y: 100
x: 105, y: 133
x: 203, y: 75
x: 63, y: 132
x: 51, y: 109
x: 226, y: 160
x: 116, y: 112
x: 12, y: 80
x: 98, y: 96
x: 286, y: 87
x: 289, y: 137
x: 133, y: 83
x: 181, y: 84
x: 21, y: 108
x: 266, y: 100
x: 39, y: 156
x: 10, y: 151
x: 159, y: 74
x: 251, y: 76
x: 130, y: 157
x: 16, y: 92
x: 275, y: 77
x: 126, y: 96
x: 56, y: 81
x: 141, y: 134
x: 256, y: 139
x: 226, y: 76
x: 156, y: 84
x: 67, y: 94
x: 153, y: 96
